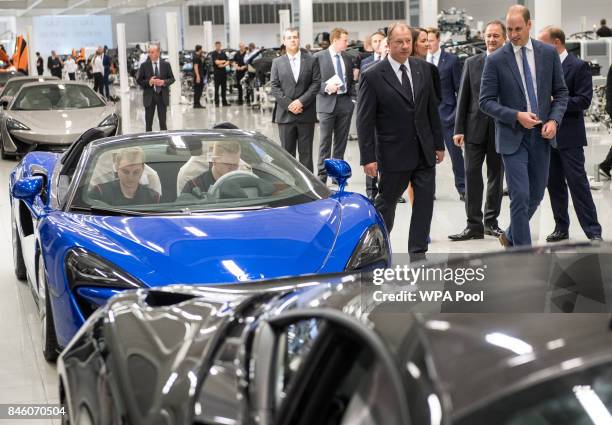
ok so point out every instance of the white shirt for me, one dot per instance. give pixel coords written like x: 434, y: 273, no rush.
x: 295, y: 62
x: 563, y: 55
x: 434, y: 57
x: 396, y: 68
x: 97, y: 65
x: 333, y: 54
x: 531, y: 62
x: 71, y: 66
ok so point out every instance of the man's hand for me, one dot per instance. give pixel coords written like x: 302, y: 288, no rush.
x: 549, y: 130
x: 332, y: 88
x: 439, y: 156
x: 528, y: 119
x: 371, y: 169
x: 458, y: 140
x: 296, y: 107
x: 152, y: 80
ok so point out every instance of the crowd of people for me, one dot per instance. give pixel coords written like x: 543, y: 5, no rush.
x: 518, y: 107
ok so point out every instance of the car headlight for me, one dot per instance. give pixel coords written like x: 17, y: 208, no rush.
x: 13, y: 124
x: 86, y: 269
x: 371, y: 249
x: 110, y: 121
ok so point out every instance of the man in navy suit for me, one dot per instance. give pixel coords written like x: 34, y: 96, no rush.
x: 567, y: 159
x: 449, y: 69
x: 523, y: 90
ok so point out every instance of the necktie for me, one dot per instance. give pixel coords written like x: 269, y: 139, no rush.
x: 406, y: 83
x: 340, y: 74
x: 157, y: 88
x: 533, y: 100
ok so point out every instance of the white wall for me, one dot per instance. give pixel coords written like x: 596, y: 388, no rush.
x: 267, y: 35
x: 157, y: 25
x: 136, y: 27
x: 594, y: 10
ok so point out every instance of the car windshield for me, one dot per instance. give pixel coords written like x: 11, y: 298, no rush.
x: 13, y: 86
x: 43, y: 97
x: 581, y: 398
x: 193, y: 173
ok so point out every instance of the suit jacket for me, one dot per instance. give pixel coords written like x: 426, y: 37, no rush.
x: 285, y: 89
x: 502, y: 94
x: 579, y: 82
x: 327, y: 102
x: 145, y: 72
x: 389, y: 126
x: 366, y: 63
x: 449, y: 68
x: 469, y: 119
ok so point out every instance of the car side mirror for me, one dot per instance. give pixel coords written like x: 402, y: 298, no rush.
x: 339, y: 170
x: 27, y: 188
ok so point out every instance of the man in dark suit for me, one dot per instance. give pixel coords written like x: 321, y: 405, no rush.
x: 567, y: 159
x: 220, y: 64
x: 376, y: 41
x: 603, y: 30
x: 400, y: 134
x: 155, y: 77
x: 449, y: 69
x: 335, y: 99
x: 606, y: 165
x: 523, y: 90
x: 475, y: 132
x: 295, y: 81
x: 199, y: 73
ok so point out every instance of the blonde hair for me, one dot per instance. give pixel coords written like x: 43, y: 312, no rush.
x: 133, y: 155
x: 220, y: 147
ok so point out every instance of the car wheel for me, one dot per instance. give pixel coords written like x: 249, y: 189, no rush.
x: 19, y: 263
x: 49, y: 339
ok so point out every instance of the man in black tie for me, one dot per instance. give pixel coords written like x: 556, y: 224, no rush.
x: 475, y: 132
x: 155, y: 77
x: 295, y: 81
x: 400, y: 134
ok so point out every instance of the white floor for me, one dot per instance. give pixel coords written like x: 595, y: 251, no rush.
x: 26, y: 378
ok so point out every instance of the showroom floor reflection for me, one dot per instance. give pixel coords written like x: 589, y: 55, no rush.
x: 26, y: 378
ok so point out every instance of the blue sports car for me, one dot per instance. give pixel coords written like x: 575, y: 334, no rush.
x: 185, y: 207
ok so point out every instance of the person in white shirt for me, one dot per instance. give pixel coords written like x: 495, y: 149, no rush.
x: 71, y: 68
x: 97, y: 68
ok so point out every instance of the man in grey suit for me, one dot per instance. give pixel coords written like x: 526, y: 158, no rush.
x: 475, y: 132
x: 335, y: 99
x: 295, y: 81
x: 523, y: 89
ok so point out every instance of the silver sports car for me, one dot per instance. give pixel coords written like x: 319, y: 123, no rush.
x: 13, y: 85
x: 51, y: 115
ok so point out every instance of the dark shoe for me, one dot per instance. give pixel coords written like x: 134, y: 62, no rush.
x: 493, y: 230
x: 604, y: 173
x: 401, y: 200
x: 466, y: 235
x: 557, y: 236
x: 216, y: 105
x: 226, y: 104
x: 596, y: 238
x: 504, y: 241
x: 197, y: 107
x: 240, y: 102
x: 462, y: 196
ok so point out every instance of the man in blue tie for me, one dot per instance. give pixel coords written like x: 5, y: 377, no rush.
x: 335, y: 99
x: 524, y: 91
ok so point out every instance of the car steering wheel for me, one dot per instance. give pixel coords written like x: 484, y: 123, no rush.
x: 234, y: 181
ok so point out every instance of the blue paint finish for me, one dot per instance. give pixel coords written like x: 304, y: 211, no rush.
x: 223, y: 247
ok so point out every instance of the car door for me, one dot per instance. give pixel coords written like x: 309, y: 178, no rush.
x: 322, y: 367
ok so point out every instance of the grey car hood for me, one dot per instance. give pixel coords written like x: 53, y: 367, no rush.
x: 58, y: 126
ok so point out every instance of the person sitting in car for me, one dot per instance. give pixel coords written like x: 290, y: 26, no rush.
x: 126, y: 188
x: 225, y: 158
